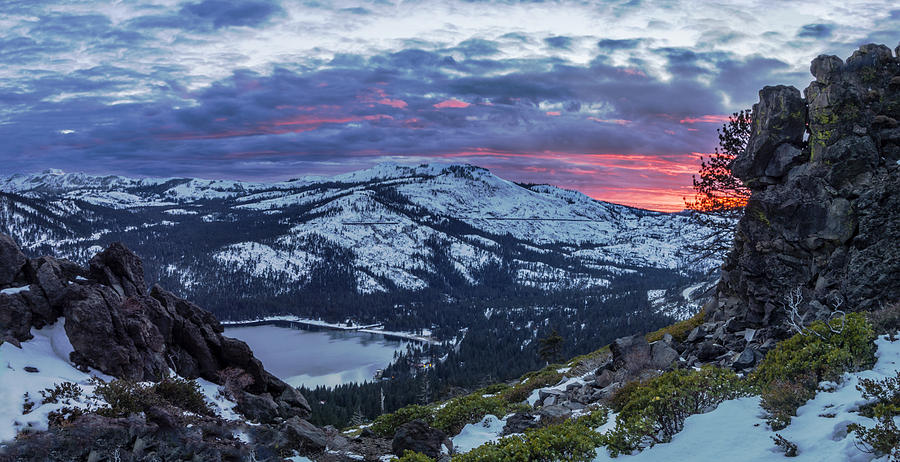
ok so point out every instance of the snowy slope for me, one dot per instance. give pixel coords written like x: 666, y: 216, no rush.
x: 395, y: 227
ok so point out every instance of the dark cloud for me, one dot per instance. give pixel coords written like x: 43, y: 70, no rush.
x: 477, y: 47
x: 817, y: 31
x: 224, y: 13
x: 559, y: 41
x: 618, y: 44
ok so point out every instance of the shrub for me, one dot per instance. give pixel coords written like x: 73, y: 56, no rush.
x: 782, y: 398
x: 573, y: 440
x: 467, y: 409
x: 886, y: 320
x: 410, y: 456
x: 386, y: 425
x: 61, y: 392
x: 530, y: 382
x: 884, y: 437
x: 789, y: 448
x: 183, y: 393
x: 820, y: 353
x: 123, y: 397
x: 656, y: 409
x: 620, y: 397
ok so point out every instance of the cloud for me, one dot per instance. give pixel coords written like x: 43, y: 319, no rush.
x: 618, y: 44
x: 265, y: 89
x: 225, y: 13
x: 817, y: 31
x: 559, y: 41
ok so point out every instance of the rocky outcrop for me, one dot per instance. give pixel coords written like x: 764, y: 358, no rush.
x: 118, y: 327
x: 823, y: 221
x: 418, y: 436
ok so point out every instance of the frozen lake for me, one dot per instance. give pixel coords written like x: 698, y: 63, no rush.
x: 321, y: 357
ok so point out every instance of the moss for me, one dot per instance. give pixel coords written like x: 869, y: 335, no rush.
x: 761, y: 216
x: 679, y: 330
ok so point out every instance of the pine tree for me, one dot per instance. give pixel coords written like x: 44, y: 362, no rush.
x: 551, y: 346
x: 720, y: 197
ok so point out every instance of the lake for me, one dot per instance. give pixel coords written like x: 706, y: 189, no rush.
x: 318, y: 357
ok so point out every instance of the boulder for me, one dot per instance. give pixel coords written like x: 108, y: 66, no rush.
x: 662, y: 355
x: 551, y: 415
x: 418, y: 436
x: 630, y: 353
x: 303, y: 435
x: 11, y: 261
x: 519, y: 422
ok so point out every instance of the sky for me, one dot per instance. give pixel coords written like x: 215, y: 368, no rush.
x: 617, y: 99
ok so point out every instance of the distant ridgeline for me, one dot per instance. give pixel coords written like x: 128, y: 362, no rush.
x: 821, y: 233
x: 431, y: 246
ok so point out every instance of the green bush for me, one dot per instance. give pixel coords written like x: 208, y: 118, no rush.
x: 884, y: 437
x: 183, y: 393
x: 821, y: 353
x: 124, y: 397
x: 530, y: 382
x: 656, y: 409
x: 782, y: 398
x: 386, y: 425
x: 467, y: 409
x: 410, y: 456
x: 573, y: 440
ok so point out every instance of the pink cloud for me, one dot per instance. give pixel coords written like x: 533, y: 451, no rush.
x: 709, y: 119
x: 553, y: 113
x: 452, y: 103
x: 610, y: 121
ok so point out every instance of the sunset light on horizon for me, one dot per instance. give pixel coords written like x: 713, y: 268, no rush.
x: 613, y: 99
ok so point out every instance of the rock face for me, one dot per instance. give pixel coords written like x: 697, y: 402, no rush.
x: 824, y: 216
x: 118, y: 328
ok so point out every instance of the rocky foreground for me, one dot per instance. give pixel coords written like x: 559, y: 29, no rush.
x: 119, y: 328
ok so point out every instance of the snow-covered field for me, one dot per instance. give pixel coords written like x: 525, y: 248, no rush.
x: 736, y: 431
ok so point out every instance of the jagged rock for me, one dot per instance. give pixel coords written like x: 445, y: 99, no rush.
x: 778, y: 118
x: 304, y: 435
x: 119, y: 268
x: 519, y: 422
x: 11, y: 261
x: 631, y: 353
x: 420, y: 437
x: 259, y: 408
x: 709, y: 351
x: 661, y: 355
x: 824, y: 216
x: 745, y: 360
x: 551, y: 415
x: 118, y: 329
x: 15, y: 318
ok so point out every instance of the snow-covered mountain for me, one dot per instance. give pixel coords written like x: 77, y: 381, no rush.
x: 388, y: 228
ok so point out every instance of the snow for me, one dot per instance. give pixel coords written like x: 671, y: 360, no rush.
x: 386, y: 241
x: 15, y: 290
x: 737, y: 430
x: 473, y: 435
x: 49, y: 352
